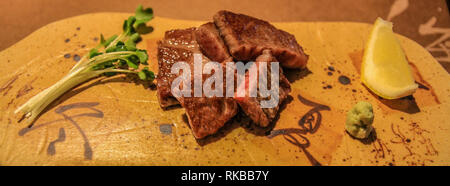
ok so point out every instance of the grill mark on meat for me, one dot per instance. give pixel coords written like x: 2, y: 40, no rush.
x: 246, y: 38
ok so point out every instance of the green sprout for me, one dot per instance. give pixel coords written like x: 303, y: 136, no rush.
x: 115, y: 55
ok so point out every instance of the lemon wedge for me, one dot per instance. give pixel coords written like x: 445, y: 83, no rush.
x: 384, y: 69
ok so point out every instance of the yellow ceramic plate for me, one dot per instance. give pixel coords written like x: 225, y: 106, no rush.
x: 110, y: 121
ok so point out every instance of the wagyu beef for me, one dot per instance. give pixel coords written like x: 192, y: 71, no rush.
x: 177, y: 45
x: 167, y: 56
x: 246, y: 38
x: 231, y: 37
x: 211, y: 43
x: 182, y: 38
x: 252, y: 105
x: 206, y: 115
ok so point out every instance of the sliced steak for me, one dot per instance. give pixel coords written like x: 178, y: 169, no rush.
x: 206, y: 115
x: 252, y: 105
x: 167, y: 56
x: 211, y: 43
x: 182, y: 38
x: 177, y: 45
x: 246, y: 38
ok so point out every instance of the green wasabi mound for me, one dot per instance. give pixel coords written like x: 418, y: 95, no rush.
x: 359, y: 120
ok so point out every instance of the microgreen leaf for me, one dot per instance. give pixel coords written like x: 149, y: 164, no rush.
x: 106, y: 43
x: 142, y: 55
x: 131, y: 64
x: 131, y: 42
x: 94, y: 52
x: 142, y: 15
x: 120, y: 46
x: 146, y: 74
x: 128, y: 28
x: 102, y: 39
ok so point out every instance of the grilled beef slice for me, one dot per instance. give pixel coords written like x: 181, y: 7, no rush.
x: 171, y: 50
x: 206, y: 115
x: 231, y: 37
x: 251, y: 105
x: 246, y: 38
x: 211, y: 43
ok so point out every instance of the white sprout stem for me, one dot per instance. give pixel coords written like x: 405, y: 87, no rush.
x: 33, y: 107
x: 80, y: 73
x: 99, y: 59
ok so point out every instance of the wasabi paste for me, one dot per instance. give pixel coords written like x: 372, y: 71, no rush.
x: 359, y: 120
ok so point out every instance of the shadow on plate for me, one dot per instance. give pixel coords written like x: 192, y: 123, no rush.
x: 406, y: 104
x: 241, y: 120
x: 103, y: 80
x: 369, y: 140
x: 296, y: 74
